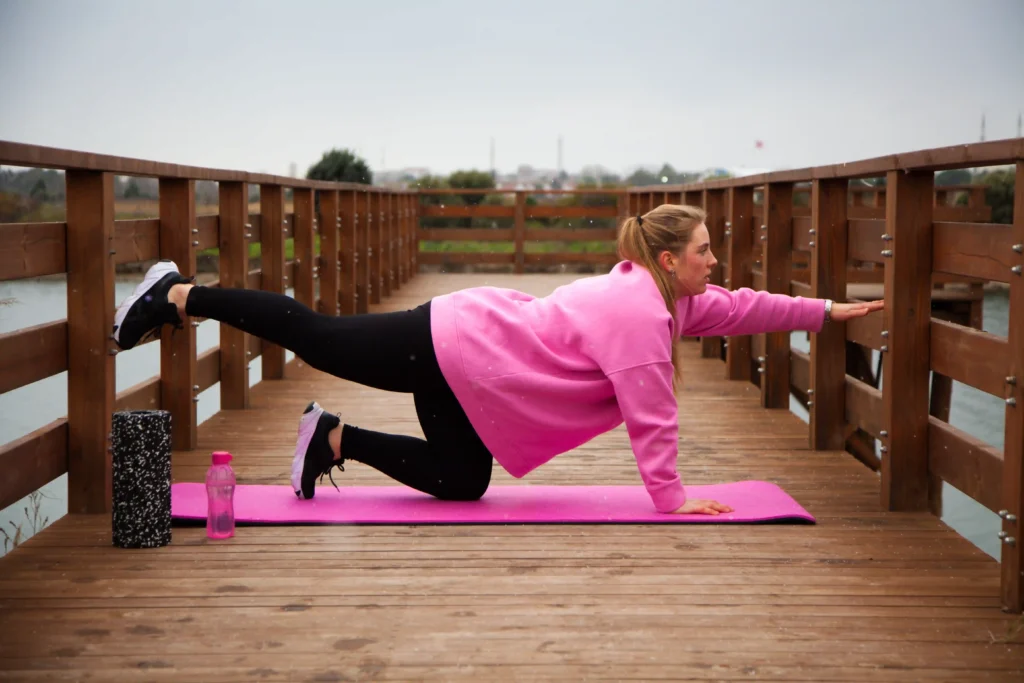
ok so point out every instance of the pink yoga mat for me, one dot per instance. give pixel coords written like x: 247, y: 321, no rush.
x: 752, y: 501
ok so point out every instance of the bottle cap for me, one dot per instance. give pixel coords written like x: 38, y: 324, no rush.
x: 221, y: 457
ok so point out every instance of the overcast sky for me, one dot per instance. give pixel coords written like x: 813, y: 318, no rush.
x: 259, y: 85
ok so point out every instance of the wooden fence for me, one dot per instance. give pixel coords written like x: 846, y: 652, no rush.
x: 814, y: 232
x: 910, y: 242
x: 353, y: 245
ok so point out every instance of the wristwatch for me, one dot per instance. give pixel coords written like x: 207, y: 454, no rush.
x: 828, y: 310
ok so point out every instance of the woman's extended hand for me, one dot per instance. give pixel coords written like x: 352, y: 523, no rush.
x: 841, y: 312
x: 696, y: 506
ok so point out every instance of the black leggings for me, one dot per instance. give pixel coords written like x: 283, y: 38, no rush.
x: 389, y: 351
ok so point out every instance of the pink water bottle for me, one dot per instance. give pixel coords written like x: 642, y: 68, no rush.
x: 220, y: 497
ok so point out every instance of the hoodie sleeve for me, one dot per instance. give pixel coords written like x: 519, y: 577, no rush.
x: 722, y: 312
x: 650, y: 412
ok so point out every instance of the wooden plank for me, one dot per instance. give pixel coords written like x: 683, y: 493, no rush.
x: 776, y: 234
x: 975, y: 250
x: 799, y: 371
x: 31, y: 250
x: 572, y: 235
x: 386, y: 274
x: 865, y: 240
x: 802, y: 233
x: 373, y: 252
x: 867, y: 331
x: 272, y: 267
x: 435, y: 258
x: 207, y: 369
x: 555, y: 258
x: 542, y: 211
x: 979, y: 359
x: 461, y: 211
x: 305, y: 261
x: 906, y: 366
x: 1012, y: 557
x: 362, y: 244
x: 969, y: 464
x: 234, y: 274
x: 714, y: 205
x: 519, y: 234
x: 472, y: 234
x: 32, y: 354
x: 828, y: 347
x: 864, y: 407
x: 33, y: 461
x: 90, y: 306
x: 254, y: 228
x: 209, y: 232
x: 178, y: 347
x: 337, y: 278
x: 37, y: 156
x: 137, y: 240
x: 739, y: 245
x: 146, y: 395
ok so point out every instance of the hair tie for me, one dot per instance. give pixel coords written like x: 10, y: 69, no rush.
x: 640, y: 220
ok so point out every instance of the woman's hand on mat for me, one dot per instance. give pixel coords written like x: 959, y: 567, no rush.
x: 696, y: 506
x: 841, y: 312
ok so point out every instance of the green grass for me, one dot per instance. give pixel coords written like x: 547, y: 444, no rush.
x: 256, y: 250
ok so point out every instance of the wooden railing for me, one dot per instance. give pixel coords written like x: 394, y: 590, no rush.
x: 764, y: 232
x: 367, y: 250
x: 517, y: 207
x: 912, y: 246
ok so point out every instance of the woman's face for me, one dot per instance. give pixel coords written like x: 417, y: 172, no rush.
x: 693, y: 266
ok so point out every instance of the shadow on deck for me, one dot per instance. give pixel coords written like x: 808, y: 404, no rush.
x: 864, y: 594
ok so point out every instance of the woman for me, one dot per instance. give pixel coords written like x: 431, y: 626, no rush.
x: 501, y: 375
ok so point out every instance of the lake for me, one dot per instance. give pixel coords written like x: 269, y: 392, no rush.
x: 45, y: 300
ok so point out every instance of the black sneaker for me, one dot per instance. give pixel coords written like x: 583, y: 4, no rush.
x: 313, y: 455
x: 147, y: 309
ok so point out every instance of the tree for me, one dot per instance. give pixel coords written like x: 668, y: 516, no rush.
x: 953, y: 177
x: 341, y: 165
x: 475, y: 180
x: 999, y: 193
x: 39, y: 192
x: 132, y: 191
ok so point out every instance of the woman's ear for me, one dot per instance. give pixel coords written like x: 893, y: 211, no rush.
x: 665, y: 260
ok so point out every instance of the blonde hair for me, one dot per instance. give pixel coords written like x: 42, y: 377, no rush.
x: 642, y: 239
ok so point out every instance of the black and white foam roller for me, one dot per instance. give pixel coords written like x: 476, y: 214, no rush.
x: 141, y: 453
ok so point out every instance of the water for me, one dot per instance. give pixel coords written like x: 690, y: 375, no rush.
x: 29, y: 408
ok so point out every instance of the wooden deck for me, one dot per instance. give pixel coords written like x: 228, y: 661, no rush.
x: 864, y: 594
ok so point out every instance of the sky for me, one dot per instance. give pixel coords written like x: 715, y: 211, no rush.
x: 260, y: 86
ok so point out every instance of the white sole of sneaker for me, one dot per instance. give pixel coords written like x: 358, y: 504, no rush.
x: 153, y: 276
x: 302, y: 445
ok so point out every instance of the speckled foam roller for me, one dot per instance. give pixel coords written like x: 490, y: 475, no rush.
x: 141, y: 451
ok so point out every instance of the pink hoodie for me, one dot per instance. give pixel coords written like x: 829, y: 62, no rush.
x: 540, y: 376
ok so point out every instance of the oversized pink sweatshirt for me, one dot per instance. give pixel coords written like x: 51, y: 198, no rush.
x: 540, y: 376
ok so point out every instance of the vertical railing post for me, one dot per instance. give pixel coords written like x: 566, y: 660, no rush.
x: 400, y: 222
x: 907, y: 340
x: 233, y: 242
x: 90, y: 305
x: 272, y: 266
x: 776, y: 236
x: 713, y: 202
x: 362, y: 222
x: 302, y: 232
x: 386, y: 262
x: 348, y: 218
x: 1012, y: 557
x: 178, y: 240
x: 739, y: 234
x: 827, y: 392
x: 414, y: 242
x: 330, y: 268
x: 374, y: 246
x: 519, y: 233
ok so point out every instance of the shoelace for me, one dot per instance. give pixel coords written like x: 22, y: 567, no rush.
x: 328, y: 472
